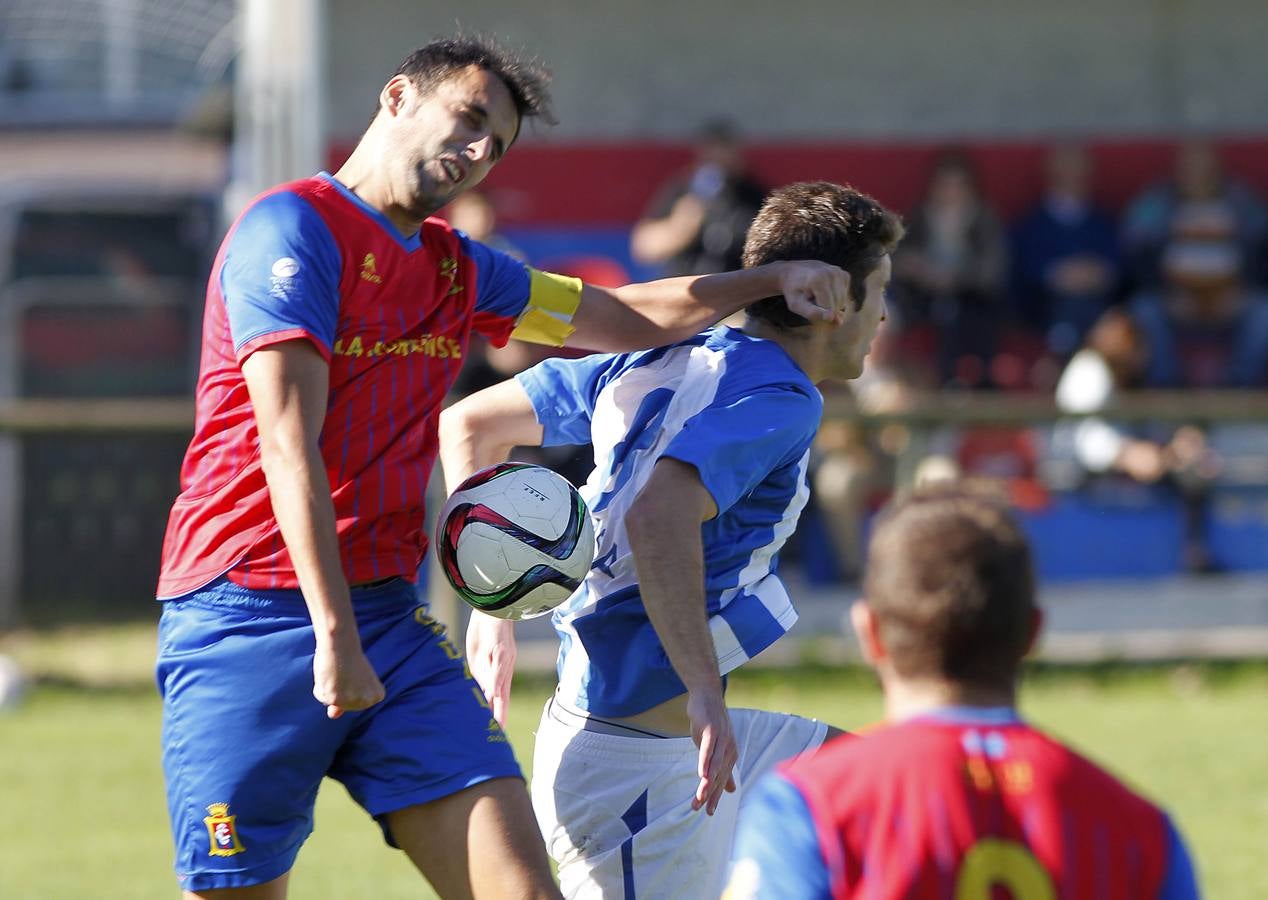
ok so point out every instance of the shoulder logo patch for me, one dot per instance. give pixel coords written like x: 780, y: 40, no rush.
x: 222, y: 831
x: 286, y: 267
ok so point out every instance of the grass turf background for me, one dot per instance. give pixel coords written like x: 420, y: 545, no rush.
x: 83, y: 795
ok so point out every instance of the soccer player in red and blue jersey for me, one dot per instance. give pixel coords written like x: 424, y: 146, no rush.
x: 956, y: 797
x: 291, y: 645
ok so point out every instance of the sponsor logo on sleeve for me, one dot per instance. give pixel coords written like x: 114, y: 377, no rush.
x: 284, y: 271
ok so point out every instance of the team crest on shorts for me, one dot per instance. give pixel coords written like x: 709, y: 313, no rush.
x: 222, y: 831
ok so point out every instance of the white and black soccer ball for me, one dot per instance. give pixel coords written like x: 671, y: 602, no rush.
x: 515, y: 540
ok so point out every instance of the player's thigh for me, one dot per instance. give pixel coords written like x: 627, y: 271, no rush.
x: 433, y: 767
x: 617, y: 819
x: 432, y: 735
x: 480, y: 842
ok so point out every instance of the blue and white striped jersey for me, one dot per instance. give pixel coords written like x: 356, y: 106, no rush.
x: 743, y: 413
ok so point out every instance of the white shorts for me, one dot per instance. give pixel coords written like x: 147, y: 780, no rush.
x: 616, y: 814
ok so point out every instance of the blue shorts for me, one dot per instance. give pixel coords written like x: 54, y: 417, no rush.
x: 245, y: 743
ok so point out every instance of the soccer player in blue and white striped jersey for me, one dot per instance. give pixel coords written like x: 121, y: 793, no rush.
x: 700, y: 452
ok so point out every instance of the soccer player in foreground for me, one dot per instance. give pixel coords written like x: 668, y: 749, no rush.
x: 956, y: 796
x: 701, y: 451
x: 291, y: 644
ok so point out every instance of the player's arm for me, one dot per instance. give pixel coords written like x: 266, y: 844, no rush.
x: 288, y: 384
x: 530, y: 305
x: 480, y: 430
x: 477, y: 432
x: 280, y: 283
x: 663, y: 526
x: 652, y: 313
x: 548, y: 405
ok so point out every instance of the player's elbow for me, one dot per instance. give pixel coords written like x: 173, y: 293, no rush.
x: 460, y: 426
x: 455, y: 422
x: 284, y: 454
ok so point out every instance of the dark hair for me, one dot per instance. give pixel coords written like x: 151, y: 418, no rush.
x: 526, y: 78
x: 819, y: 220
x: 950, y: 582
x: 954, y: 159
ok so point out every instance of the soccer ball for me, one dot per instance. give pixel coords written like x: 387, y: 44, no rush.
x: 515, y: 540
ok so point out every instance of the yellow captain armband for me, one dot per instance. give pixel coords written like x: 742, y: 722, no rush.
x: 552, y: 302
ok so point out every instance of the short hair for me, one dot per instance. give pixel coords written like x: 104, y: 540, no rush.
x: 526, y: 78
x: 819, y: 220
x: 950, y: 583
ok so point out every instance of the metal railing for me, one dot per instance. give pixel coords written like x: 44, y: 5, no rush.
x: 937, y: 409
x: 70, y: 421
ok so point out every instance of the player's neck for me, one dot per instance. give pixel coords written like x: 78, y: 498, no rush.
x: 907, y: 699
x: 362, y: 174
x: 797, y: 343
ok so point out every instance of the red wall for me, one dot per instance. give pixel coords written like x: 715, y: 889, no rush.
x: 608, y: 184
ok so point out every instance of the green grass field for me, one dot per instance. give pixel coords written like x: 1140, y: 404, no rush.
x: 83, y: 796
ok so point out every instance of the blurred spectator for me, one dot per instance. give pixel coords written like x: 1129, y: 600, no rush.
x: 474, y: 213
x: 848, y: 476
x: 15, y: 75
x: 1116, y: 358
x: 1205, y: 328
x: 1199, y: 201
x: 697, y: 222
x: 949, y: 271
x: 852, y: 468
x: 1066, y: 261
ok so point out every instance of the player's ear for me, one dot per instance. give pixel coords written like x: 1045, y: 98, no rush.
x: 867, y: 630
x: 392, y: 97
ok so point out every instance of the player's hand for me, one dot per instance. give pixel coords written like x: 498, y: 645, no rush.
x: 343, y: 679
x: 815, y: 290
x: 491, y: 657
x: 711, y: 730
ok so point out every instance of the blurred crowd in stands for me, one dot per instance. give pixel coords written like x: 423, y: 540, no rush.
x: 1068, y: 300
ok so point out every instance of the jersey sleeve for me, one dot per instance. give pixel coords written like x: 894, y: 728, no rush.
x: 564, y: 392
x: 502, y: 289
x: 515, y: 300
x: 736, y: 443
x: 280, y: 276
x: 1180, y: 882
x: 776, y: 855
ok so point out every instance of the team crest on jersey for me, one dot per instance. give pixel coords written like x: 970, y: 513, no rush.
x: 368, y: 270
x: 449, y: 269
x: 222, y: 831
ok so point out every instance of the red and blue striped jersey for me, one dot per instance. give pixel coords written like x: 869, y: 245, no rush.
x: 964, y: 804
x: 393, y: 316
